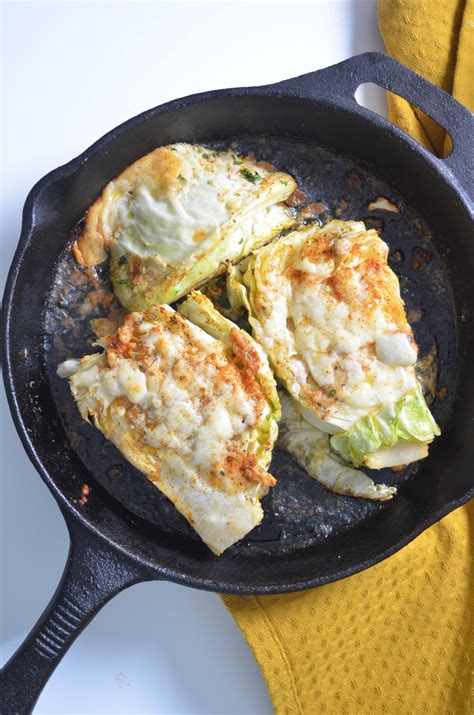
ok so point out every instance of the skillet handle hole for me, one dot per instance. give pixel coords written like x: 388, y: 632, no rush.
x: 434, y: 137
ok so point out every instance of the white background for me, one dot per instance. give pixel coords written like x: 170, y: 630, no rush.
x: 71, y: 71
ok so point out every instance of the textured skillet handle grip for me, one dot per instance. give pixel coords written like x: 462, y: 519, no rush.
x: 92, y: 576
x: 342, y: 80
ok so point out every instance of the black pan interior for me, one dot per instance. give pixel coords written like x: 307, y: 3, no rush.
x: 299, y: 512
x: 309, y: 536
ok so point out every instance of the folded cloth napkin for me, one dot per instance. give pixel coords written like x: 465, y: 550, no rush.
x: 396, y: 639
x: 436, y: 39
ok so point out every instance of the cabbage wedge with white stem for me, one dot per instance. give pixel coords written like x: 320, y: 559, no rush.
x: 174, y: 218
x: 326, y: 308
x: 190, y: 401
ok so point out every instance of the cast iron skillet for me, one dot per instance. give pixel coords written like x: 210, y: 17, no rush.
x: 127, y: 532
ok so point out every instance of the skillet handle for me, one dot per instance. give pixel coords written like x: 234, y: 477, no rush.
x: 93, y: 574
x: 342, y: 80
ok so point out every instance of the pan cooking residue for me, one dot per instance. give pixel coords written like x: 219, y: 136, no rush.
x: 298, y: 511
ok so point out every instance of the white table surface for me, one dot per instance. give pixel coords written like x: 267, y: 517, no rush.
x: 72, y: 71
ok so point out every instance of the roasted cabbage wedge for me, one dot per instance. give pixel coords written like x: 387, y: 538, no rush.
x: 326, y: 308
x: 190, y: 401
x: 174, y: 218
x: 311, y: 448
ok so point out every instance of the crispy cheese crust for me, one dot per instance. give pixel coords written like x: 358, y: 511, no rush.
x: 188, y: 411
x: 327, y: 309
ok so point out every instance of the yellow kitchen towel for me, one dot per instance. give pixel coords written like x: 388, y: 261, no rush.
x: 396, y: 639
x: 436, y: 39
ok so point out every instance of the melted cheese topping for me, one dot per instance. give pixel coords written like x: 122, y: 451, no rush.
x: 142, y: 220
x: 176, y: 215
x: 327, y: 309
x: 174, y: 401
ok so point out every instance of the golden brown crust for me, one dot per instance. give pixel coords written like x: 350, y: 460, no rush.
x: 158, y: 169
x: 247, y: 361
x: 264, y: 165
x: 243, y: 464
x: 90, y: 247
x: 238, y: 467
x: 381, y: 286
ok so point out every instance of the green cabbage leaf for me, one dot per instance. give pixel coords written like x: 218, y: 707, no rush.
x: 407, y: 420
